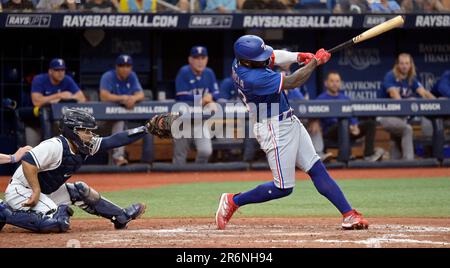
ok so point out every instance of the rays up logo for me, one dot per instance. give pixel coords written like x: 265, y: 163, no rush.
x: 28, y: 20
x: 211, y: 21
x: 359, y: 58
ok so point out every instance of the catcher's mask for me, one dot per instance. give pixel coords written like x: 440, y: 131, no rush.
x: 77, y: 125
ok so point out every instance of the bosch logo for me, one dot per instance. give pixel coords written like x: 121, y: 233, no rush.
x: 302, y: 109
x: 414, y: 107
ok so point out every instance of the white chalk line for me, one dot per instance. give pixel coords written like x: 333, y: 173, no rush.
x: 140, y: 242
x: 375, y: 241
x: 229, y: 231
x: 412, y: 228
x: 210, y: 232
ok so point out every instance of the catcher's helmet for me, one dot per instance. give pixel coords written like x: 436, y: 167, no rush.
x: 72, y: 122
x: 252, y: 47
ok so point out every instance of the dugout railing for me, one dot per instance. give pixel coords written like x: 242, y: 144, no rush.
x: 436, y: 110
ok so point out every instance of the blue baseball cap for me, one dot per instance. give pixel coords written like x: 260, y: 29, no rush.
x: 198, y: 51
x: 252, y: 47
x: 57, y: 64
x: 124, y: 60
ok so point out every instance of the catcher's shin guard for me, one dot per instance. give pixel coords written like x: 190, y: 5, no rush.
x: 2, y: 215
x: 132, y: 212
x: 57, y: 222
x: 90, y: 201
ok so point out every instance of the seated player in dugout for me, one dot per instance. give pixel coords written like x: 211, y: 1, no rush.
x: 441, y: 88
x: 38, y: 198
x: 120, y: 85
x: 228, y: 91
x: 280, y: 133
x: 401, y: 83
x: 51, y: 87
x: 195, y: 84
x: 365, y: 127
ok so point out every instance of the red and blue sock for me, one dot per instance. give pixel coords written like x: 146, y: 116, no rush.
x: 262, y: 193
x: 324, y: 184
x: 327, y: 187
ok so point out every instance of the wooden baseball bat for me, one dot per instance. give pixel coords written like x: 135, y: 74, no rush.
x: 372, y: 32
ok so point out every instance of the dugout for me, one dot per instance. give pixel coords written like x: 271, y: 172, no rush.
x: 90, y: 45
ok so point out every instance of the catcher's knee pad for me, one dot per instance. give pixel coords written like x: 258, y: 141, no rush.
x: 62, y: 217
x: 81, y: 192
x: 34, y: 221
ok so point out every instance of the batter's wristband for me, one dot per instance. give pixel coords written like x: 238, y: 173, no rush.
x: 13, y: 159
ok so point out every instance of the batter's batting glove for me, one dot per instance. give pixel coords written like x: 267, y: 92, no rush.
x: 304, y: 57
x: 322, y: 56
x: 160, y: 125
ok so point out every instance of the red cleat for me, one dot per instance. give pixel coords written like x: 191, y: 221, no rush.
x: 226, y: 209
x: 354, y: 220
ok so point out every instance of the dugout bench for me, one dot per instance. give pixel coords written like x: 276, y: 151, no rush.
x: 435, y: 110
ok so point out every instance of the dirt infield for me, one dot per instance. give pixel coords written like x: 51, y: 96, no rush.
x: 254, y: 233
x: 242, y: 232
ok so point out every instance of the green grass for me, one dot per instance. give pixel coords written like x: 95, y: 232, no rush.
x: 395, y: 197
x: 387, y: 197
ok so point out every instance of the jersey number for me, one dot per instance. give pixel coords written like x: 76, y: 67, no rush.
x: 244, y: 99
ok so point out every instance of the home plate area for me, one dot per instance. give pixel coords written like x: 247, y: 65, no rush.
x: 242, y: 233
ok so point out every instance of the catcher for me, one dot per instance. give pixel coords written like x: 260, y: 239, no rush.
x: 38, y: 197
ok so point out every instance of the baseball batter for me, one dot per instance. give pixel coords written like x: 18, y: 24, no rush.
x: 279, y: 132
x: 38, y: 197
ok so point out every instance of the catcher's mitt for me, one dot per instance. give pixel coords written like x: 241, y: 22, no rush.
x: 160, y: 125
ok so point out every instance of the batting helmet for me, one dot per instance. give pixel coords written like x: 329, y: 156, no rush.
x: 252, y: 47
x: 75, y: 120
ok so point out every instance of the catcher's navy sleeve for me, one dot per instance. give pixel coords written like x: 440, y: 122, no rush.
x: 120, y: 139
